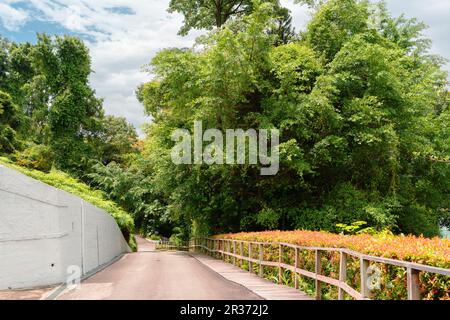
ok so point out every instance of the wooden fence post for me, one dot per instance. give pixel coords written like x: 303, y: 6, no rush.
x: 295, y: 268
x: 413, y: 283
x: 241, y: 252
x: 363, y: 266
x: 234, y: 252
x: 250, y: 264
x: 280, y: 253
x: 260, y: 260
x: 342, y: 274
x: 318, y: 271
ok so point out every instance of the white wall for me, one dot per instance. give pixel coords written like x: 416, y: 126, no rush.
x: 44, y: 230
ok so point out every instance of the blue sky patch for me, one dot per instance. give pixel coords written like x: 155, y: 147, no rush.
x: 121, y: 10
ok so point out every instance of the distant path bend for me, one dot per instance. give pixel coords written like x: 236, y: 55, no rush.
x: 154, y: 275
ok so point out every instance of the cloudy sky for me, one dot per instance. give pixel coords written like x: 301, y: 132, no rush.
x: 123, y: 35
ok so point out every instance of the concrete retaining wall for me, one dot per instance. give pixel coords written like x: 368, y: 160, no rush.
x: 47, y: 233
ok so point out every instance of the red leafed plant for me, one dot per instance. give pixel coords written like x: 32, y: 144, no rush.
x: 433, y: 252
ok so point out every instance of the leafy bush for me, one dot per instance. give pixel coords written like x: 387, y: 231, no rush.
x: 434, y: 252
x: 154, y: 237
x: 177, y: 236
x: 65, y: 182
x: 356, y: 227
x: 39, y: 157
x: 418, y: 220
x: 133, y: 190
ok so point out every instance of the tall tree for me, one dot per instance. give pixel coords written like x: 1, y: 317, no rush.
x: 118, y: 139
x: 62, y: 97
x: 4, y: 63
x: 283, y: 28
x: 9, y: 123
x: 206, y: 14
x: 358, y: 113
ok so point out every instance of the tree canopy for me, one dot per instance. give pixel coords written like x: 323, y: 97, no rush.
x: 50, y: 114
x: 357, y: 98
x: 361, y: 105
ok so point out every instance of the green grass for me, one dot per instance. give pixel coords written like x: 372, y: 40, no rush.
x: 63, y: 181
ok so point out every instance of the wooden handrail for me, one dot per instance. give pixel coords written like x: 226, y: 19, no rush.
x: 167, y: 245
x: 227, y: 248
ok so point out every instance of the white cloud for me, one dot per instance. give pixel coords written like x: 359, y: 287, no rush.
x: 300, y: 13
x: 12, y: 18
x: 121, y: 41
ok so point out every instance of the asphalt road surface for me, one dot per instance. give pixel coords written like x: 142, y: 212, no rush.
x: 153, y: 275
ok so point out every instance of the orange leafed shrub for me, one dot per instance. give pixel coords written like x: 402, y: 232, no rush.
x: 391, y: 280
x: 434, y: 252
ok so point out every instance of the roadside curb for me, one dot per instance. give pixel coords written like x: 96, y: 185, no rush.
x: 58, y: 291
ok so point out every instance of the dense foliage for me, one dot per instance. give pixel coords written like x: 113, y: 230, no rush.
x: 391, y: 283
x: 46, y: 100
x: 133, y: 189
x: 362, y: 109
x: 9, y: 121
x: 361, y: 105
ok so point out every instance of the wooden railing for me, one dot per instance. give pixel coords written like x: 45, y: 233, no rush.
x: 167, y: 245
x: 230, y: 248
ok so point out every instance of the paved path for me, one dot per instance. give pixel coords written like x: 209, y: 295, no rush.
x: 152, y: 275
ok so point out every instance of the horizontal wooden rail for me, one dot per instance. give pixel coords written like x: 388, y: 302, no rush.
x: 167, y: 245
x: 230, y: 247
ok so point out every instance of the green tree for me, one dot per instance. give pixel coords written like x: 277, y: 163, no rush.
x: 133, y: 189
x: 206, y: 14
x: 360, y: 106
x: 119, y: 139
x: 334, y: 23
x: 9, y: 122
x: 283, y: 28
x: 4, y: 63
x: 68, y: 110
